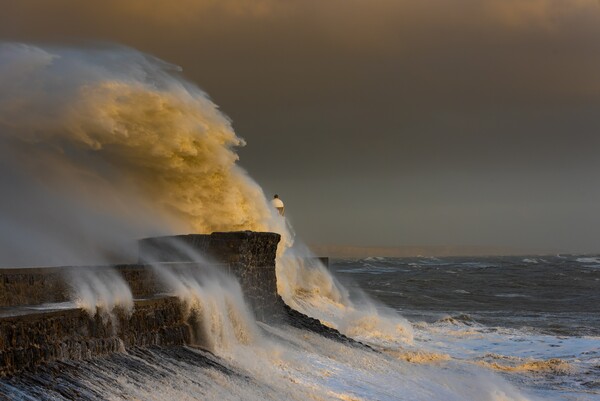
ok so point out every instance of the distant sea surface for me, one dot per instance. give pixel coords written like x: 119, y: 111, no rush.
x: 504, y: 312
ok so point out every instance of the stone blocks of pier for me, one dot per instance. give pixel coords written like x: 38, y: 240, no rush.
x: 32, y: 286
x: 30, y: 335
x: 28, y: 340
x: 248, y: 256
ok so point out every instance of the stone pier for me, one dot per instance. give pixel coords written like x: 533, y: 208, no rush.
x: 247, y: 255
x: 39, y: 322
x: 38, y: 325
x: 33, y: 337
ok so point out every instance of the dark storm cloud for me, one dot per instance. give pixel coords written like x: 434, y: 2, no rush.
x: 387, y: 122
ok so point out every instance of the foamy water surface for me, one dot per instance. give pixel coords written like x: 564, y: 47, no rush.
x: 534, y: 321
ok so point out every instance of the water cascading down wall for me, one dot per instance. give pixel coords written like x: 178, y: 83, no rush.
x: 35, y: 328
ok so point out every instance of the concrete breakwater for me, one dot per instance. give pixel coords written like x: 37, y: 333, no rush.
x: 36, y: 327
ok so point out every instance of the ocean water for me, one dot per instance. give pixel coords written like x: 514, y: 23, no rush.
x: 442, y: 329
x: 534, y: 320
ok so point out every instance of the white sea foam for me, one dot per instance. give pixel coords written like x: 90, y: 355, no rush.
x: 562, y: 360
x: 306, y: 285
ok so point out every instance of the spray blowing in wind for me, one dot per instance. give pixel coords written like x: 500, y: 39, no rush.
x: 122, y: 138
x: 102, y: 146
x: 213, y: 301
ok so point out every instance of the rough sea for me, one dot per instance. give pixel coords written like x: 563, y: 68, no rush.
x: 448, y: 329
x: 534, y: 320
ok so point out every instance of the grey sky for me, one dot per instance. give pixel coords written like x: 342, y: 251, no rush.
x: 387, y: 122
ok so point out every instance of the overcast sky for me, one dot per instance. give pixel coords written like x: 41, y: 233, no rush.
x: 386, y: 122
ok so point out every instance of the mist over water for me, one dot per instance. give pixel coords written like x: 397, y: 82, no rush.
x: 103, y: 146
x: 107, y: 145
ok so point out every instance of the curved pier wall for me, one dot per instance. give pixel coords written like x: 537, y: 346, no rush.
x: 249, y: 256
x: 31, y: 334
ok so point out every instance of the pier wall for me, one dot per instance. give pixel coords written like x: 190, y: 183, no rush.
x: 249, y: 256
x: 30, y: 339
x: 31, y: 334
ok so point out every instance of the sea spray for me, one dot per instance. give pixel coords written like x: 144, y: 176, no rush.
x: 120, y: 136
x: 100, y: 291
x: 120, y: 133
x: 306, y: 285
x: 215, y: 307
